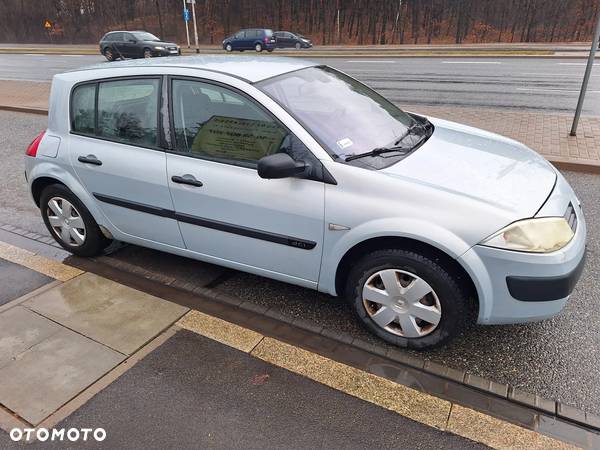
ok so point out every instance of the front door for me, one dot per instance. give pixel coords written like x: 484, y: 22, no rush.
x: 114, y: 151
x: 225, y: 210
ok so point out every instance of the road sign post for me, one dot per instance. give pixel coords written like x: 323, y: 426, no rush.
x: 193, y: 2
x: 586, y: 77
x: 186, y: 18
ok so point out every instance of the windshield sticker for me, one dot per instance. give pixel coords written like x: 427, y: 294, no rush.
x: 344, y: 143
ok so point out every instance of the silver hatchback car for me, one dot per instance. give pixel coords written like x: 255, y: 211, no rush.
x: 298, y: 172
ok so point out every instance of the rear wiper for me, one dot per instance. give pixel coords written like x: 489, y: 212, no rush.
x: 377, y: 151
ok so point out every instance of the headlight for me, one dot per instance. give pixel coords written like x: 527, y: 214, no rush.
x: 158, y: 47
x: 543, y: 235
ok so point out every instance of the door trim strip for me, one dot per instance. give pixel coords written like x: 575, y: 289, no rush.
x: 276, y: 238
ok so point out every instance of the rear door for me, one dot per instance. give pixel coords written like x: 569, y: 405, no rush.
x: 225, y: 210
x: 114, y: 149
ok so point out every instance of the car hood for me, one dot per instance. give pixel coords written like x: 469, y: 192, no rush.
x: 484, y: 166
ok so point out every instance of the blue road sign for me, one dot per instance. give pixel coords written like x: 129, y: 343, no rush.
x: 186, y: 15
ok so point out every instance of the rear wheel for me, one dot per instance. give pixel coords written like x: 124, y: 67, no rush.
x: 407, y: 299
x: 108, y: 54
x: 70, y: 223
x: 258, y: 48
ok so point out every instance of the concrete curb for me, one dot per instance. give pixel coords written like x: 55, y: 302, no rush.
x: 23, y: 109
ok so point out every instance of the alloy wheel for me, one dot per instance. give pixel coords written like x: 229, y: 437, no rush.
x: 66, y: 221
x: 401, y: 303
x: 258, y: 48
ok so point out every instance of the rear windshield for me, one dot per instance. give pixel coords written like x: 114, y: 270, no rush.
x: 269, y: 32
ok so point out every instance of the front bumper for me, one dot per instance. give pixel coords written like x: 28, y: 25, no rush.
x: 518, y: 287
x: 166, y: 52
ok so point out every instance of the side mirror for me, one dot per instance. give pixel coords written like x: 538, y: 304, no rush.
x: 279, y: 165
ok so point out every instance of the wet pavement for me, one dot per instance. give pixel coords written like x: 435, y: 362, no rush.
x: 18, y: 280
x: 202, y: 394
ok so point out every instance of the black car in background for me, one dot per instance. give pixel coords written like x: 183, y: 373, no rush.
x: 135, y: 44
x: 258, y: 39
x: 285, y: 39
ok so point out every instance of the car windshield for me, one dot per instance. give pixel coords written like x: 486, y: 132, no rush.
x: 344, y: 115
x: 143, y: 36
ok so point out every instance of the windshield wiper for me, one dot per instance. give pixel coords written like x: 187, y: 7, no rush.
x: 393, y: 148
x: 378, y: 151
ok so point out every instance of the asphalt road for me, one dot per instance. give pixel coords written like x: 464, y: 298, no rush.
x: 538, y: 84
x: 556, y: 358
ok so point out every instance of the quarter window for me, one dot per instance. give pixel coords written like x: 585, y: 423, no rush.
x: 128, y: 111
x: 218, y: 124
x: 83, y: 109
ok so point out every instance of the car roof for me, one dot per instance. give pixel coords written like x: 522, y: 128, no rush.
x: 249, y: 68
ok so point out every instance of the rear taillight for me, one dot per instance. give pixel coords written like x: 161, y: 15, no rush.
x: 266, y: 40
x: 33, y: 147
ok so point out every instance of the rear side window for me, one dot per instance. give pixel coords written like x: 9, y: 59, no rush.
x: 126, y: 110
x: 83, y: 109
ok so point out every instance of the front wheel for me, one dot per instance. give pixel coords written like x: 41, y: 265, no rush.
x: 70, y: 223
x: 298, y: 46
x: 407, y: 299
x: 258, y: 48
x: 228, y: 48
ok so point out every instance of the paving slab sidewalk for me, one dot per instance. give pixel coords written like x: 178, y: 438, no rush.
x: 548, y: 134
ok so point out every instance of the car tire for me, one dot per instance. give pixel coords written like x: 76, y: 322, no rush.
x: 54, y: 202
x: 405, y: 272
x: 147, y: 53
x: 298, y: 46
x: 228, y: 48
x: 258, y: 48
x: 108, y: 54
x: 270, y: 50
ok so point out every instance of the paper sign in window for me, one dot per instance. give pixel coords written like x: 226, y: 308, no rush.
x: 238, y: 139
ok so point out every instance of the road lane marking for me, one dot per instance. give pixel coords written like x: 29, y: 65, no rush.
x: 370, y: 61
x: 405, y: 401
x: 470, y: 62
x: 48, y: 267
x: 576, y: 64
x: 555, y: 90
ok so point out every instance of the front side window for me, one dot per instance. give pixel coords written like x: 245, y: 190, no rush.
x: 144, y: 36
x: 240, y: 35
x: 347, y: 117
x: 128, y: 111
x: 83, y: 112
x: 218, y: 124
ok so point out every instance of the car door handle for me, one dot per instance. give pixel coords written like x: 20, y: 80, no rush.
x: 186, y: 179
x: 90, y: 159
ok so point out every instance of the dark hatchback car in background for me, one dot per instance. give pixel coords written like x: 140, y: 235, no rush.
x: 135, y: 44
x: 286, y: 39
x: 258, y: 39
